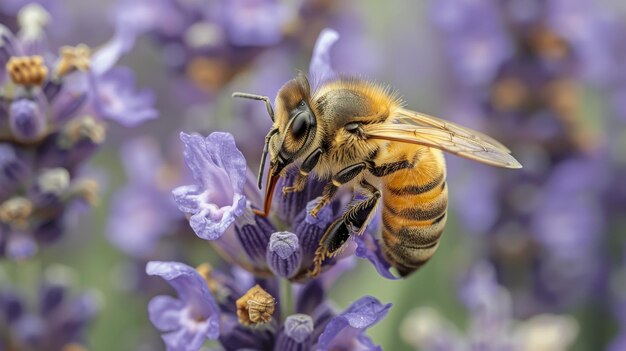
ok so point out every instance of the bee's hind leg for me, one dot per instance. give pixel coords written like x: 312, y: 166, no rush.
x: 356, y: 218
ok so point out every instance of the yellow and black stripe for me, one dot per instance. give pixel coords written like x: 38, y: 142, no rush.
x: 414, y: 215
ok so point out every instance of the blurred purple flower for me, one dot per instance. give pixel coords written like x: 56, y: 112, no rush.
x: 143, y: 211
x: 320, y: 68
x: 545, y: 223
x: 53, y: 128
x: 27, y: 120
x: 255, y: 22
x: 491, y: 325
x: 192, y: 318
x: 56, y: 322
x: 207, y: 43
x: 115, y: 99
x: 474, y: 37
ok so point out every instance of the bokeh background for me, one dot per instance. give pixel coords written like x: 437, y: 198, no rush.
x: 548, y: 78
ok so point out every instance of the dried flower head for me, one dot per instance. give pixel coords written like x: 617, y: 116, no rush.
x: 255, y: 307
x: 73, y: 58
x: 27, y: 70
x: 16, y: 211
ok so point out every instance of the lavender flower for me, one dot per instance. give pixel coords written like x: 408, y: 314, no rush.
x: 238, y: 323
x: 143, y: 211
x: 205, y: 44
x: 220, y: 196
x: 219, y: 171
x: 221, y: 212
x: 491, y: 325
x: 546, y: 219
x: 53, y: 127
x: 116, y: 100
x: 192, y: 318
x: 58, y: 321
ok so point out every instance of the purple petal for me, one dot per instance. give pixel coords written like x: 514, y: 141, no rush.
x: 115, y: 98
x: 351, y: 325
x: 164, y: 312
x: 368, y: 248
x: 186, y: 339
x: 187, y: 198
x: 193, y: 292
x: 210, y: 225
x: 12, y: 166
x: 320, y: 68
x: 107, y: 56
x: 219, y: 170
x: 8, y: 48
x: 20, y: 246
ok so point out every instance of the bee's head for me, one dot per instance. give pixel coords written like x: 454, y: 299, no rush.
x: 295, y: 122
x: 293, y: 131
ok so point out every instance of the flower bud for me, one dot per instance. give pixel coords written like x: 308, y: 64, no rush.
x: 26, y: 120
x: 12, y: 169
x: 50, y: 185
x: 254, y: 234
x: 297, y: 333
x: 20, y: 246
x: 284, y: 254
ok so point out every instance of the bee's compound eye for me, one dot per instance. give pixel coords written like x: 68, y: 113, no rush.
x: 352, y: 127
x: 300, y: 125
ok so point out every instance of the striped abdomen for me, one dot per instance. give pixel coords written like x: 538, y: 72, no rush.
x: 415, y: 203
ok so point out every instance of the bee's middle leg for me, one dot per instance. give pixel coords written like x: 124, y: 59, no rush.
x: 356, y: 218
x: 342, y: 177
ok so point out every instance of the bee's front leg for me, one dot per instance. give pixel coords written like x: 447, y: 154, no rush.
x: 356, y: 218
x: 307, y: 166
x: 297, y: 186
x: 342, y: 177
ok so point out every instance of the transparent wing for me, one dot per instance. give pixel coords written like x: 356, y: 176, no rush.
x: 458, y: 140
x: 405, y: 116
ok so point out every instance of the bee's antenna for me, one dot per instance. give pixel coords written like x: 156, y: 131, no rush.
x: 268, y: 104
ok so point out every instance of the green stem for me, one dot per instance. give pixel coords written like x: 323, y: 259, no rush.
x: 286, y: 298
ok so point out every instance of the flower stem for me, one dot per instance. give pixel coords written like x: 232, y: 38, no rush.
x: 286, y: 298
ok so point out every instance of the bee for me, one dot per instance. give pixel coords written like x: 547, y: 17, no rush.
x: 356, y: 133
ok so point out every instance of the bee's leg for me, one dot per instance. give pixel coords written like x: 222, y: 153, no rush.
x: 360, y: 214
x: 388, y: 168
x: 307, y: 166
x: 356, y: 218
x: 342, y: 177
